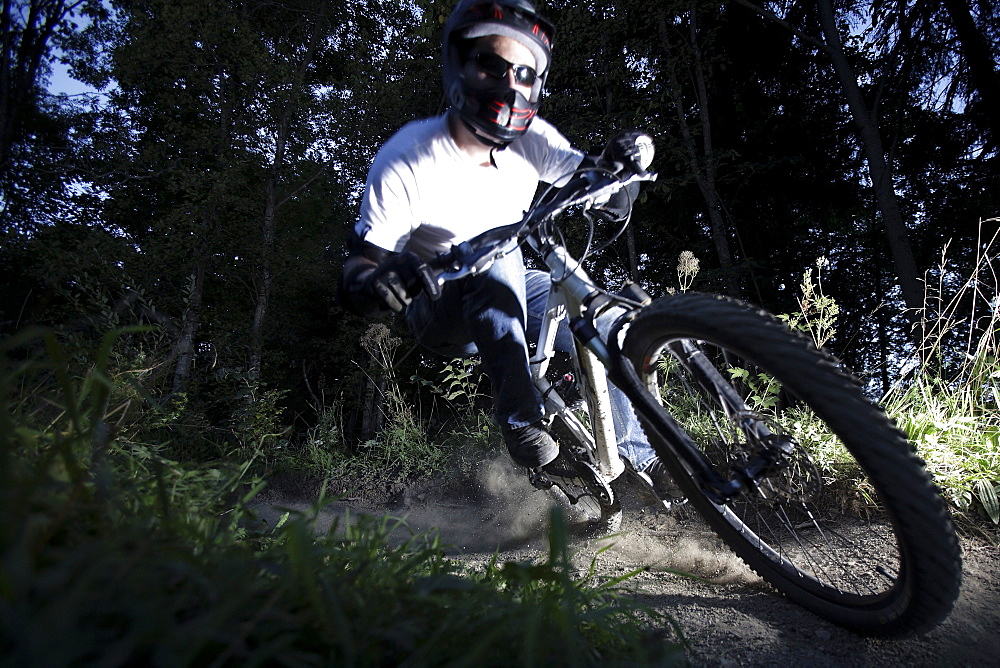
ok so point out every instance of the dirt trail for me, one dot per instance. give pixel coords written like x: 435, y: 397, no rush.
x: 730, y: 617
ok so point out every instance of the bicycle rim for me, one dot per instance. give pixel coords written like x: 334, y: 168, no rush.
x: 837, y: 527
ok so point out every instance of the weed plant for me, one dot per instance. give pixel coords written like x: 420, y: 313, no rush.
x: 468, y: 432
x: 949, y: 404
x: 817, y: 315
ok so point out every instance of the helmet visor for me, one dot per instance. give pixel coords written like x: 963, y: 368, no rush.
x: 509, y: 20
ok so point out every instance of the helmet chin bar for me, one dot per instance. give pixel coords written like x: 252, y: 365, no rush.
x: 483, y: 138
x: 495, y: 117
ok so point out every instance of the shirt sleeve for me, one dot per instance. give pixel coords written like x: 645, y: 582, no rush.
x: 387, y: 216
x: 550, y: 152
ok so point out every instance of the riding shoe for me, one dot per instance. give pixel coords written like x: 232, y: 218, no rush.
x: 664, y: 486
x: 530, y: 446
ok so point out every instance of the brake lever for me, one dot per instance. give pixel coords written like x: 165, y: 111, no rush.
x: 613, y: 184
x: 469, y: 262
x: 465, y: 259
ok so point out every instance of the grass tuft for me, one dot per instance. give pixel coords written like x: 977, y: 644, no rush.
x: 112, y: 553
x: 949, y: 405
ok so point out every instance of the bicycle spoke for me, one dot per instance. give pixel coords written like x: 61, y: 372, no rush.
x: 779, y: 513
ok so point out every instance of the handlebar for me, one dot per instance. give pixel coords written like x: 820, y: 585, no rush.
x: 475, y: 255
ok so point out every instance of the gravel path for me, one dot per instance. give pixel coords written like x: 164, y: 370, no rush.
x: 728, y: 615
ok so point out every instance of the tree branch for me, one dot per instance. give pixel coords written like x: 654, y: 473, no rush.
x: 774, y: 18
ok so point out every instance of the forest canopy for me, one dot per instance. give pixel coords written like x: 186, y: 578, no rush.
x: 206, y: 186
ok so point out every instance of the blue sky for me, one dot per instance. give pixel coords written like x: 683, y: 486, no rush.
x: 61, y: 82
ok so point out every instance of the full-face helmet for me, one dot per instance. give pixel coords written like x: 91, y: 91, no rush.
x: 496, y: 116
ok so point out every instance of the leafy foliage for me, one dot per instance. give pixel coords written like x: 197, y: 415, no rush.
x: 132, y: 557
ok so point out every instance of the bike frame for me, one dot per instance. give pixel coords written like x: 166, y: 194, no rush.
x: 566, y: 299
x: 574, y: 295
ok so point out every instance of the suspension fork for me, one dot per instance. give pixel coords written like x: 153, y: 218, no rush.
x: 658, y: 423
x: 770, y: 451
x: 714, y: 383
x: 598, y: 398
x: 602, y: 437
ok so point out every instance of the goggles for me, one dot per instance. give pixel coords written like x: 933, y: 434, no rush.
x: 493, y: 65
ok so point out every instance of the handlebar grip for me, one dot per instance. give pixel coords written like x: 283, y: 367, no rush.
x: 629, y: 152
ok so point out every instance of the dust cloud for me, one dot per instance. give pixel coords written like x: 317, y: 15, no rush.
x: 497, y: 510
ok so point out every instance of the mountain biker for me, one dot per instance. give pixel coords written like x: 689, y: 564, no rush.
x: 443, y: 180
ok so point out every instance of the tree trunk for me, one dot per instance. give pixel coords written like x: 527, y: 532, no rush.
x: 282, y: 131
x: 373, y: 406
x: 879, y: 169
x: 982, y: 66
x: 702, y: 166
x: 266, y: 278
x: 22, y: 49
x: 184, y: 350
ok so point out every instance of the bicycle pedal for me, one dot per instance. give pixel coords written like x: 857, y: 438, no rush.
x: 643, y: 484
x: 539, y: 479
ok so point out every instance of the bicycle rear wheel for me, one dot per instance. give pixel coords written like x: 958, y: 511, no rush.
x: 847, y: 522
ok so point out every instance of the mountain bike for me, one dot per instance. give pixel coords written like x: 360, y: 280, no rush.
x: 770, y: 439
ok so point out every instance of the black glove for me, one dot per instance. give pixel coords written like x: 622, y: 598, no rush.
x: 399, y: 279
x: 619, y: 205
x: 628, y: 152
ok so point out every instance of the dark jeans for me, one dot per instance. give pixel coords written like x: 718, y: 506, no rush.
x: 496, y: 315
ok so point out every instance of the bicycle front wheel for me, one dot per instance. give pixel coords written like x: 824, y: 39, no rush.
x: 846, y: 521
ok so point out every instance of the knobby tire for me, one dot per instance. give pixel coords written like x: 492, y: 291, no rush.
x: 859, y: 535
